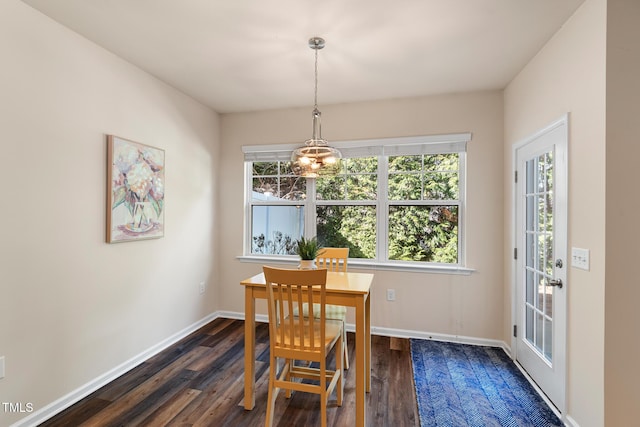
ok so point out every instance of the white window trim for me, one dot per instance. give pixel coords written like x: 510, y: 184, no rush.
x: 384, y: 147
x: 367, y: 264
x: 426, y: 144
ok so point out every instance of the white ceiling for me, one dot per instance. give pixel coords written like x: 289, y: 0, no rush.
x: 246, y: 55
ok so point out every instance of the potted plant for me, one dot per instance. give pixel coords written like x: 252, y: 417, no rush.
x: 307, y: 249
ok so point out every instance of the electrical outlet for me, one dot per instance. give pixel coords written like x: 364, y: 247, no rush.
x: 203, y: 287
x: 1, y: 367
x: 391, y: 294
x: 580, y: 258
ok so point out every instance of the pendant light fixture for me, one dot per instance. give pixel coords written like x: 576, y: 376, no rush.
x: 316, y: 157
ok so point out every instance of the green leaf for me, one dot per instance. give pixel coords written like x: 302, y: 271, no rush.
x: 308, y: 248
x: 157, y: 205
x: 119, y: 195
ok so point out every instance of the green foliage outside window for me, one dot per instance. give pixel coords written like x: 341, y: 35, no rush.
x: 423, y: 233
x: 352, y: 227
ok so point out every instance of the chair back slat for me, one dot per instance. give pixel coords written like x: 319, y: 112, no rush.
x: 333, y: 259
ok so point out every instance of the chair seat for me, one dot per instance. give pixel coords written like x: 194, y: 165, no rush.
x: 332, y: 329
x: 335, y: 312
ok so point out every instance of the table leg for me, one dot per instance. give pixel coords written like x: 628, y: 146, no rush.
x: 361, y: 362
x: 367, y: 343
x: 249, y: 349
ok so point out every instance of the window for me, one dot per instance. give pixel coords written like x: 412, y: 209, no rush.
x: 277, y: 208
x: 346, y: 207
x: 424, y: 207
x: 393, y: 201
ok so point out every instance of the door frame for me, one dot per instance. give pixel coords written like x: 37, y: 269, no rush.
x: 563, y: 120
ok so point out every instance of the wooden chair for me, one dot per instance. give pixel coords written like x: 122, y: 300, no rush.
x: 309, y: 339
x: 335, y: 259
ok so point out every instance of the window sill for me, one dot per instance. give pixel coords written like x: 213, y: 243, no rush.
x: 367, y: 264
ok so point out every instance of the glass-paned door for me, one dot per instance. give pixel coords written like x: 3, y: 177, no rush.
x: 541, y: 248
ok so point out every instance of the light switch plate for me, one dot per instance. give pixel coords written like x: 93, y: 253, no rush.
x: 580, y: 258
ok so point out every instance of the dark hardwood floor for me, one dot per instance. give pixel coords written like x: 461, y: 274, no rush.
x: 199, y: 382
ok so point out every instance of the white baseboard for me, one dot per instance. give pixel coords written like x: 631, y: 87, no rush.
x: 398, y: 333
x: 80, y: 393
x: 240, y: 316
x: 570, y: 422
x: 43, y: 414
x: 403, y: 333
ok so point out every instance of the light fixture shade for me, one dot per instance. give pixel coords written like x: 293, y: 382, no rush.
x: 316, y: 157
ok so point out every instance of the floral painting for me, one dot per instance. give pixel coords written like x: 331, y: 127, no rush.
x: 135, y: 193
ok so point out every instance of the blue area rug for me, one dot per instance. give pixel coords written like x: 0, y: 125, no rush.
x: 460, y: 385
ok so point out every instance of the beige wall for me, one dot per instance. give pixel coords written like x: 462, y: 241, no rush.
x: 71, y: 306
x: 622, y: 335
x: 438, y: 303
x: 568, y: 75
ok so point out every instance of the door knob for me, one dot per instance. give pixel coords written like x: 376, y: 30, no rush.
x: 555, y: 282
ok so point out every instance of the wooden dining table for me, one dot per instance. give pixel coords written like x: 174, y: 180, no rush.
x: 348, y: 289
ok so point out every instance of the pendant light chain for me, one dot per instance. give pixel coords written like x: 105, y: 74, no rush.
x: 315, y: 95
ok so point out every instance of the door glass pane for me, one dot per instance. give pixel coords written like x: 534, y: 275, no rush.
x: 549, y: 254
x: 530, y: 249
x: 540, y: 248
x: 540, y: 214
x: 530, y: 287
x: 548, y: 306
x: 529, y: 323
x: 531, y: 173
x: 548, y: 202
x: 540, y: 285
x: 531, y: 213
x: 539, y: 331
x: 541, y: 173
x: 549, y: 173
x: 539, y: 256
x: 548, y: 334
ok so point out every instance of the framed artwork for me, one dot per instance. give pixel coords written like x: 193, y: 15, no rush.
x: 135, y: 191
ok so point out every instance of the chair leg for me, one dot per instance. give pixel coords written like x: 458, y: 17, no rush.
x: 271, y: 395
x: 289, y: 363
x: 323, y: 408
x: 339, y: 368
x: 344, y: 344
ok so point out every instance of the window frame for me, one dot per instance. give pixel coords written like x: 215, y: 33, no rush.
x: 382, y: 149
